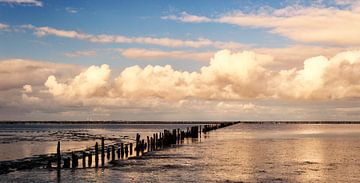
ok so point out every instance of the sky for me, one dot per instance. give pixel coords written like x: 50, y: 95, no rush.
x: 180, y: 60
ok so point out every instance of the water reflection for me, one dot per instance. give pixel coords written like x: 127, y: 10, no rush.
x: 249, y: 153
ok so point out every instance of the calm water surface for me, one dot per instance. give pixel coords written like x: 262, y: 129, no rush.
x: 243, y: 152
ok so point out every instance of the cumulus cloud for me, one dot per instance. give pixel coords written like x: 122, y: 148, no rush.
x: 145, y: 54
x: 303, y: 24
x: 90, y: 83
x: 15, y: 73
x: 27, y: 88
x: 105, y: 38
x: 294, y: 55
x: 229, y: 76
x: 322, y: 78
x: 24, y: 2
x: 233, y: 83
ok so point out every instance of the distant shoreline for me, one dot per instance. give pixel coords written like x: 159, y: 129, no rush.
x: 178, y: 122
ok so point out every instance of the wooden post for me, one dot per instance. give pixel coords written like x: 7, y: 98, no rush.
x: 200, y: 130
x: 74, y: 160
x: 102, y: 152
x: 137, y: 148
x: 148, y: 144
x: 142, y: 146
x: 96, y: 155
x: 118, y: 151
x: 89, y: 159
x: 84, y: 159
x: 178, y: 135
x: 174, y: 136
x: 194, y: 132
x: 126, y: 150
x: 156, y: 141
x: 66, y: 162
x: 122, y: 150
x: 58, y: 155
x: 113, y: 153
x: 131, y: 148
x: 152, y: 143
x: 108, y: 152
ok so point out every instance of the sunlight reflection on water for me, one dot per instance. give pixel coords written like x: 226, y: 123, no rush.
x: 245, y: 152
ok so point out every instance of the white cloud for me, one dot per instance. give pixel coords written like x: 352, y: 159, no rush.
x: 4, y: 26
x: 15, y: 73
x: 104, y: 38
x: 229, y: 76
x: 90, y: 83
x: 234, y: 85
x: 27, y: 88
x: 24, y: 2
x: 71, y: 10
x: 88, y: 53
x: 303, y: 24
x: 185, y: 17
x: 145, y: 54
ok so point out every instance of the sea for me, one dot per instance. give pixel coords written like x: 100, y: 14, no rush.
x: 244, y: 152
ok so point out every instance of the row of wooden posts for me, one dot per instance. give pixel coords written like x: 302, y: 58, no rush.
x: 123, y: 151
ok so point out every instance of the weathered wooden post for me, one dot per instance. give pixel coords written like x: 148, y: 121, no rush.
x: 74, y: 160
x: 84, y: 159
x: 102, y: 152
x: 200, y: 130
x: 148, y: 144
x: 113, y: 153
x: 178, y: 135
x: 58, y: 156
x: 96, y: 155
x: 131, y: 148
x: 182, y: 135
x: 118, y: 151
x: 67, y: 162
x: 89, y: 159
x: 122, y: 150
x: 174, y: 136
x: 126, y: 150
x: 152, y: 143
x: 108, y: 152
x: 142, y: 146
x: 194, y: 132
x: 156, y: 141
x: 137, y: 147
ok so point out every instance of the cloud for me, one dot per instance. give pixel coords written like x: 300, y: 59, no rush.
x: 15, y: 73
x: 4, y: 26
x: 346, y: 2
x: 294, y: 55
x: 89, y: 53
x: 146, y: 54
x: 27, y: 88
x: 71, y: 10
x: 24, y: 2
x: 90, y: 83
x: 302, y: 24
x: 104, y: 38
x: 233, y: 85
x: 229, y: 76
x: 322, y: 78
x: 284, y: 57
x: 185, y: 17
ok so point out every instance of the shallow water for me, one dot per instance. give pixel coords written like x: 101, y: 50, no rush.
x: 243, y: 152
x: 25, y: 140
